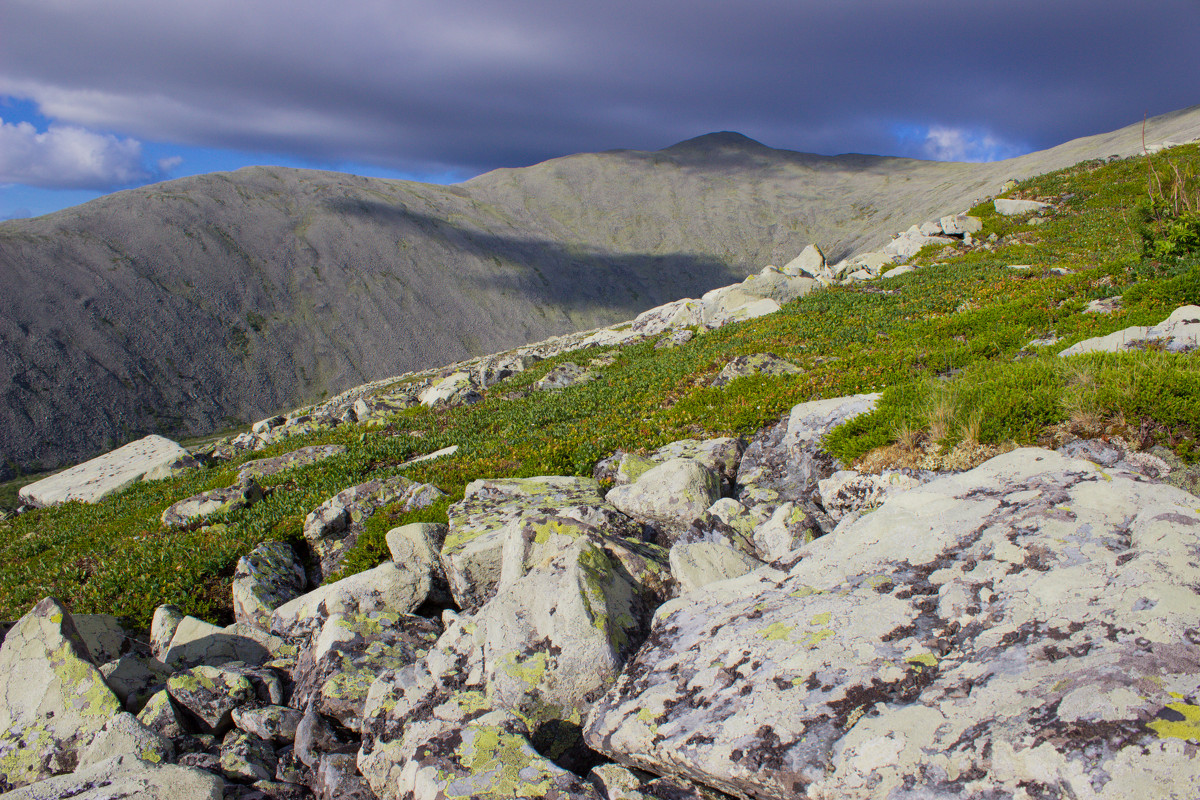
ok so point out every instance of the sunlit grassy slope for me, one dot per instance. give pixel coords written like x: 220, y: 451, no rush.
x: 944, y: 343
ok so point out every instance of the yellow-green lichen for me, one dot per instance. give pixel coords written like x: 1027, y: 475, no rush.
x: 923, y: 660
x: 776, y: 632
x: 1178, y: 721
x: 821, y: 619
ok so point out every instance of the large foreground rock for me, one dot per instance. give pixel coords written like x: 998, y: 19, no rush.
x: 53, y: 700
x: 1025, y: 629
x: 103, y: 475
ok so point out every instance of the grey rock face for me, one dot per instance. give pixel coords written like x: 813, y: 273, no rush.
x: 53, y: 700
x: 1029, y: 622
x: 271, y: 723
x: 210, y: 694
x: 103, y: 475
x: 266, y: 578
x: 124, y: 735
x: 245, y: 757
x: 333, y: 527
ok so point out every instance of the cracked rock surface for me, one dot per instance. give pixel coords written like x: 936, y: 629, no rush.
x: 1025, y: 627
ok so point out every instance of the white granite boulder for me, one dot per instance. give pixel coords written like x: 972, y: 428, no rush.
x: 392, y: 586
x: 103, y: 475
x: 671, y: 494
x: 1012, y: 208
x: 126, y: 776
x: 455, y: 389
x: 1178, y: 333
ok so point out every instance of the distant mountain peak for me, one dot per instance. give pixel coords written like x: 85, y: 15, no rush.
x: 721, y: 140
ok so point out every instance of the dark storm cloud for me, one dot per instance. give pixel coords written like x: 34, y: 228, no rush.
x: 473, y: 85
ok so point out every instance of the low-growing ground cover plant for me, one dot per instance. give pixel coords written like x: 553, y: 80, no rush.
x: 947, y: 345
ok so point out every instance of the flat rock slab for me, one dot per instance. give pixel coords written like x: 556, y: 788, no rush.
x: 53, y: 700
x: 262, y: 467
x: 1028, y: 628
x: 103, y: 475
x: 755, y: 364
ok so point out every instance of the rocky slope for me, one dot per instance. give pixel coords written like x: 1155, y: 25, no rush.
x: 191, y: 305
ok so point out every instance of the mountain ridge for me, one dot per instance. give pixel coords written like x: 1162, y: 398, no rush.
x: 194, y: 304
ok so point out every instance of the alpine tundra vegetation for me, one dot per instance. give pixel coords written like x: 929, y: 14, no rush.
x: 852, y: 530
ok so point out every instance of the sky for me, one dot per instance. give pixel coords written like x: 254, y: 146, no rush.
x: 101, y: 95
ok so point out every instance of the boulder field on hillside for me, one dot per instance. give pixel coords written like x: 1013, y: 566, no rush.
x: 733, y: 618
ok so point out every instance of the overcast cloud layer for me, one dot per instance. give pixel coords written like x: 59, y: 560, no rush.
x: 458, y: 87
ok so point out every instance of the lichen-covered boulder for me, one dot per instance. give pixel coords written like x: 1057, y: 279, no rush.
x: 455, y: 389
x: 487, y: 759
x: 1178, y: 333
x: 336, y: 778
x: 418, y: 546
x: 471, y: 552
x: 615, y: 782
x: 571, y: 606
x: 245, y: 757
x: 406, y: 708
x: 53, y: 700
x: 134, y: 677
x: 671, y: 494
x: 721, y: 455
x: 92, y: 480
x: 125, y: 735
x: 333, y: 527
x: 264, y: 467
x: 337, y: 668
x: 390, y: 587
x: 126, y: 776
x: 161, y: 716
x: 848, y: 492
x: 163, y: 624
x: 210, y: 694
x: 266, y: 578
x: 272, y: 722
x: 195, y: 642
x: 1025, y: 628
x: 208, y: 504
x: 674, y: 316
x: 754, y: 364
x: 565, y: 374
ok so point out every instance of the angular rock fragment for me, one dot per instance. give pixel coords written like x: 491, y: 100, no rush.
x: 671, y: 494
x: 471, y: 552
x: 210, y: 694
x: 245, y: 757
x: 266, y: 578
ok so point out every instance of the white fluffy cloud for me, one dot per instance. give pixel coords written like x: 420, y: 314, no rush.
x: 957, y: 144
x: 68, y: 157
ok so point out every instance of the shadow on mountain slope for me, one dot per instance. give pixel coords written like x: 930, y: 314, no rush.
x: 564, y: 276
